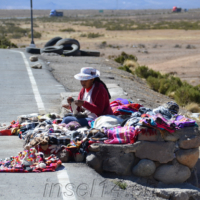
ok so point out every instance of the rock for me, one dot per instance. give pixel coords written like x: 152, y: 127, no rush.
x: 115, y: 159
x: 148, y: 137
x: 193, y: 180
x: 33, y: 58
x: 78, y: 157
x: 171, y: 137
x: 63, y: 155
x: 120, y: 163
x: 162, y: 152
x: 182, y: 133
x: 37, y: 66
x: 144, y: 168
x: 94, y: 161
x: 180, y: 196
x: 188, y: 157
x: 189, y: 143
x: 172, y: 174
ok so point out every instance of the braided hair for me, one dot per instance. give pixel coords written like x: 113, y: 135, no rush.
x: 98, y: 80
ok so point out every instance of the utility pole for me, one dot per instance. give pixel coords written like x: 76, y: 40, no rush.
x: 32, y: 41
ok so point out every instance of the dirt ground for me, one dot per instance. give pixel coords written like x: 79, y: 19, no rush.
x: 163, y: 50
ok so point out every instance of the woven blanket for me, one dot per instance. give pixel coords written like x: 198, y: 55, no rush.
x: 120, y: 135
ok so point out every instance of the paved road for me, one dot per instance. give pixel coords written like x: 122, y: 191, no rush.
x: 24, y: 90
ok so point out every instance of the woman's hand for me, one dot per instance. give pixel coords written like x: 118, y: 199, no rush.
x: 66, y: 106
x: 69, y: 100
x: 79, y: 103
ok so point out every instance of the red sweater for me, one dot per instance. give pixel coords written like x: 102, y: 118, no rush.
x: 100, y: 99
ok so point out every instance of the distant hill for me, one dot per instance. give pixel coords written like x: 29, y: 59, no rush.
x: 99, y: 4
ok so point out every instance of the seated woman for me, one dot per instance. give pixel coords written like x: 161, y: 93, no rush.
x: 93, y: 97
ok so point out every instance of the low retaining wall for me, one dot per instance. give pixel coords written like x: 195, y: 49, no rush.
x: 170, y: 158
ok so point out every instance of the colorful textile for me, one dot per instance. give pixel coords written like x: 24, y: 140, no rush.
x: 182, y: 121
x: 16, y: 164
x: 73, y: 125
x: 5, y: 132
x: 120, y: 101
x: 126, y: 109
x: 120, y: 135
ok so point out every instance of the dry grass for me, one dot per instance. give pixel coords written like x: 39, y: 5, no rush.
x: 131, y: 64
x: 193, y: 107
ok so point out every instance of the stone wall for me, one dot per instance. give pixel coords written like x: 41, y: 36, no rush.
x: 170, y: 158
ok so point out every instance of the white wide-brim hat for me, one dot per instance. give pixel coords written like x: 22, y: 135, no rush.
x: 87, y: 73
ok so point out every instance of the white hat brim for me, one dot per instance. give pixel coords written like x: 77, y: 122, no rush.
x: 85, y: 77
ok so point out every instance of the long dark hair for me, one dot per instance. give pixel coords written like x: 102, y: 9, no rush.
x: 97, y: 79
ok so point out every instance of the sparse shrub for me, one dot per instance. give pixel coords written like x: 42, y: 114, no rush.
x: 131, y: 64
x: 125, y: 68
x: 35, y: 34
x: 122, y: 185
x: 16, y: 35
x: 124, y: 56
x: 94, y: 35
x: 154, y: 83
x: 67, y: 30
x: 187, y: 94
x: 193, y: 107
x: 4, y: 43
x: 83, y: 35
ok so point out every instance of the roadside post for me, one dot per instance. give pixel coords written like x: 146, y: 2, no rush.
x: 32, y: 41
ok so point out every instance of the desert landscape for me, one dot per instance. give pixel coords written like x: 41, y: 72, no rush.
x: 155, y: 37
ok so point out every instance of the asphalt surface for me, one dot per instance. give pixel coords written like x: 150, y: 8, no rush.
x: 24, y: 90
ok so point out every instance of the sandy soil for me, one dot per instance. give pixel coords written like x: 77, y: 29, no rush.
x: 159, y: 53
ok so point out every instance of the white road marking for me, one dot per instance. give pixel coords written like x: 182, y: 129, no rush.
x: 62, y: 176
x: 36, y: 92
x: 63, y: 179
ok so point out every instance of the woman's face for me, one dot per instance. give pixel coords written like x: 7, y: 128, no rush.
x: 87, y: 83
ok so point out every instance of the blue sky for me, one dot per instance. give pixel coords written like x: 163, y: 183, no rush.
x: 98, y: 4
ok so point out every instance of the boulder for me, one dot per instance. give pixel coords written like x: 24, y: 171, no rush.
x: 172, y: 174
x: 115, y: 159
x: 182, y: 133
x: 189, y: 143
x: 162, y: 152
x: 188, y: 157
x: 78, y: 157
x: 144, y: 168
x: 33, y: 58
x: 120, y: 163
x: 94, y: 161
x: 37, y: 66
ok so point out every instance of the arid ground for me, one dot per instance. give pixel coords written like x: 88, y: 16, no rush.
x: 165, y: 50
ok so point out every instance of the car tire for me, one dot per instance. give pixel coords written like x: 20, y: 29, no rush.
x: 52, y: 42
x: 52, y: 49
x: 68, y: 41
x: 90, y: 53
x: 32, y: 50
x: 74, y: 52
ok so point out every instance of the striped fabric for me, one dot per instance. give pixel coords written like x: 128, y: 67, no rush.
x: 120, y: 135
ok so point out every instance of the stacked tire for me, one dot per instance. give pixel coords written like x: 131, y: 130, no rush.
x: 66, y: 47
